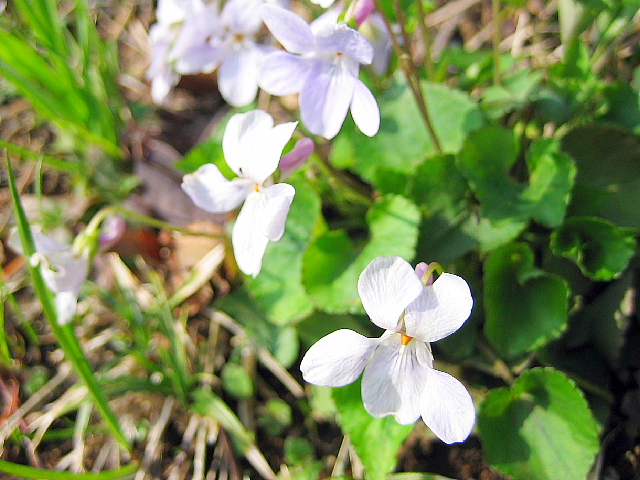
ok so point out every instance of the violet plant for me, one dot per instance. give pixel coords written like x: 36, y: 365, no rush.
x: 487, y: 162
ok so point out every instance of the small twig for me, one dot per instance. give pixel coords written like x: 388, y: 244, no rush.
x: 265, y: 357
x: 426, y: 39
x: 409, y: 69
x: 497, y: 35
x: 152, y: 448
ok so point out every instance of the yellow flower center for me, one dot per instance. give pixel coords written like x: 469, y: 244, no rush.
x: 406, y: 339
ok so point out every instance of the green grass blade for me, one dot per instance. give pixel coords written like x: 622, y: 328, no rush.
x: 44, y: 23
x: 64, y: 333
x: 24, y: 471
x: 66, y: 166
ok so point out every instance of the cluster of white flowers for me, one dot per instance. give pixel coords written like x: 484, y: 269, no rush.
x: 321, y: 63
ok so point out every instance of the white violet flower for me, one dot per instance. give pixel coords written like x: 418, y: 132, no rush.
x: 63, y: 269
x: 224, y: 41
x: 163, y: 34
x: 322, y: 63
x: 252, y: 147
x: 399, y: 377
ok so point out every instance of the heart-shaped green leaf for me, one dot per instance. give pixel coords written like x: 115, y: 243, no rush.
x: 403, y: 141
x: 488, y: 157
x: 332, y: 264
x: 539, y: 429
x: 525, y: 306
x: 608, y: 161
x: 450, y: 226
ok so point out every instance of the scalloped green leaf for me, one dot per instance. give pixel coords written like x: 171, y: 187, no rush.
x: 489, y: 156
x: 332, y: 263
x: 403, y: 141
x: 525, y: 307
x: 366, y: 432
x: 450, y: 226
x: 598, y: 247
x: 540, y: 428
x: 608, y: 180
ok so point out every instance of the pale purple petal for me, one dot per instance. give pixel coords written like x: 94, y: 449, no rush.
x: 330, y: 17
x: 375, y: 30
x: 337, y: 359
x: 200, y: 59
x: 420, y: 270
x: 446, y: 407
x: 364, y: 109
x: 289, y: 29
x: 323, y: 3
x: 238, y: 77
x: 171, y: 11
x: 293, y: 160
x: 283, y: 73
x: 276, y: 208
x: 211, y: 191
x: 162, y: 83
x: 249, y: 243
x: 394, y: 380
x: 440, y: 309
x: 252, y: 145
x: 242, y: 16
x: 269, y: 148
x: 325, y: 98
x: 45, y: 244
x: 341, y: 38
x: 386, y: 286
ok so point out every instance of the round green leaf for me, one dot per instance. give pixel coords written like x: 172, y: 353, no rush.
x: 488, y: 157
x: 525, y: 307
x: 608, y: 161
x: 599, y: 248
x: 332, y: 264
x: 403, y: 140
x: 539, y: 429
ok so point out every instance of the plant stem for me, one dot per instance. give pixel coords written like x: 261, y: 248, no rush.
x: 497, y: 37
x: 410, y: 70
x: 99, y: 217
x: 426, y: 38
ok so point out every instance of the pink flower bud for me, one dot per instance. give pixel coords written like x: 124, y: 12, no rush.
x: 112, y: 230
x: 363, y: 10
x: 293, y: 160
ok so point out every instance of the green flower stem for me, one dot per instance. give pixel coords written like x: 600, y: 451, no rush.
x: 358, y: 191
x: 500, y: 368
x: 433, y: 268
x: 410, y: 70
x: 64, y: 333
x: 99, y: 217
